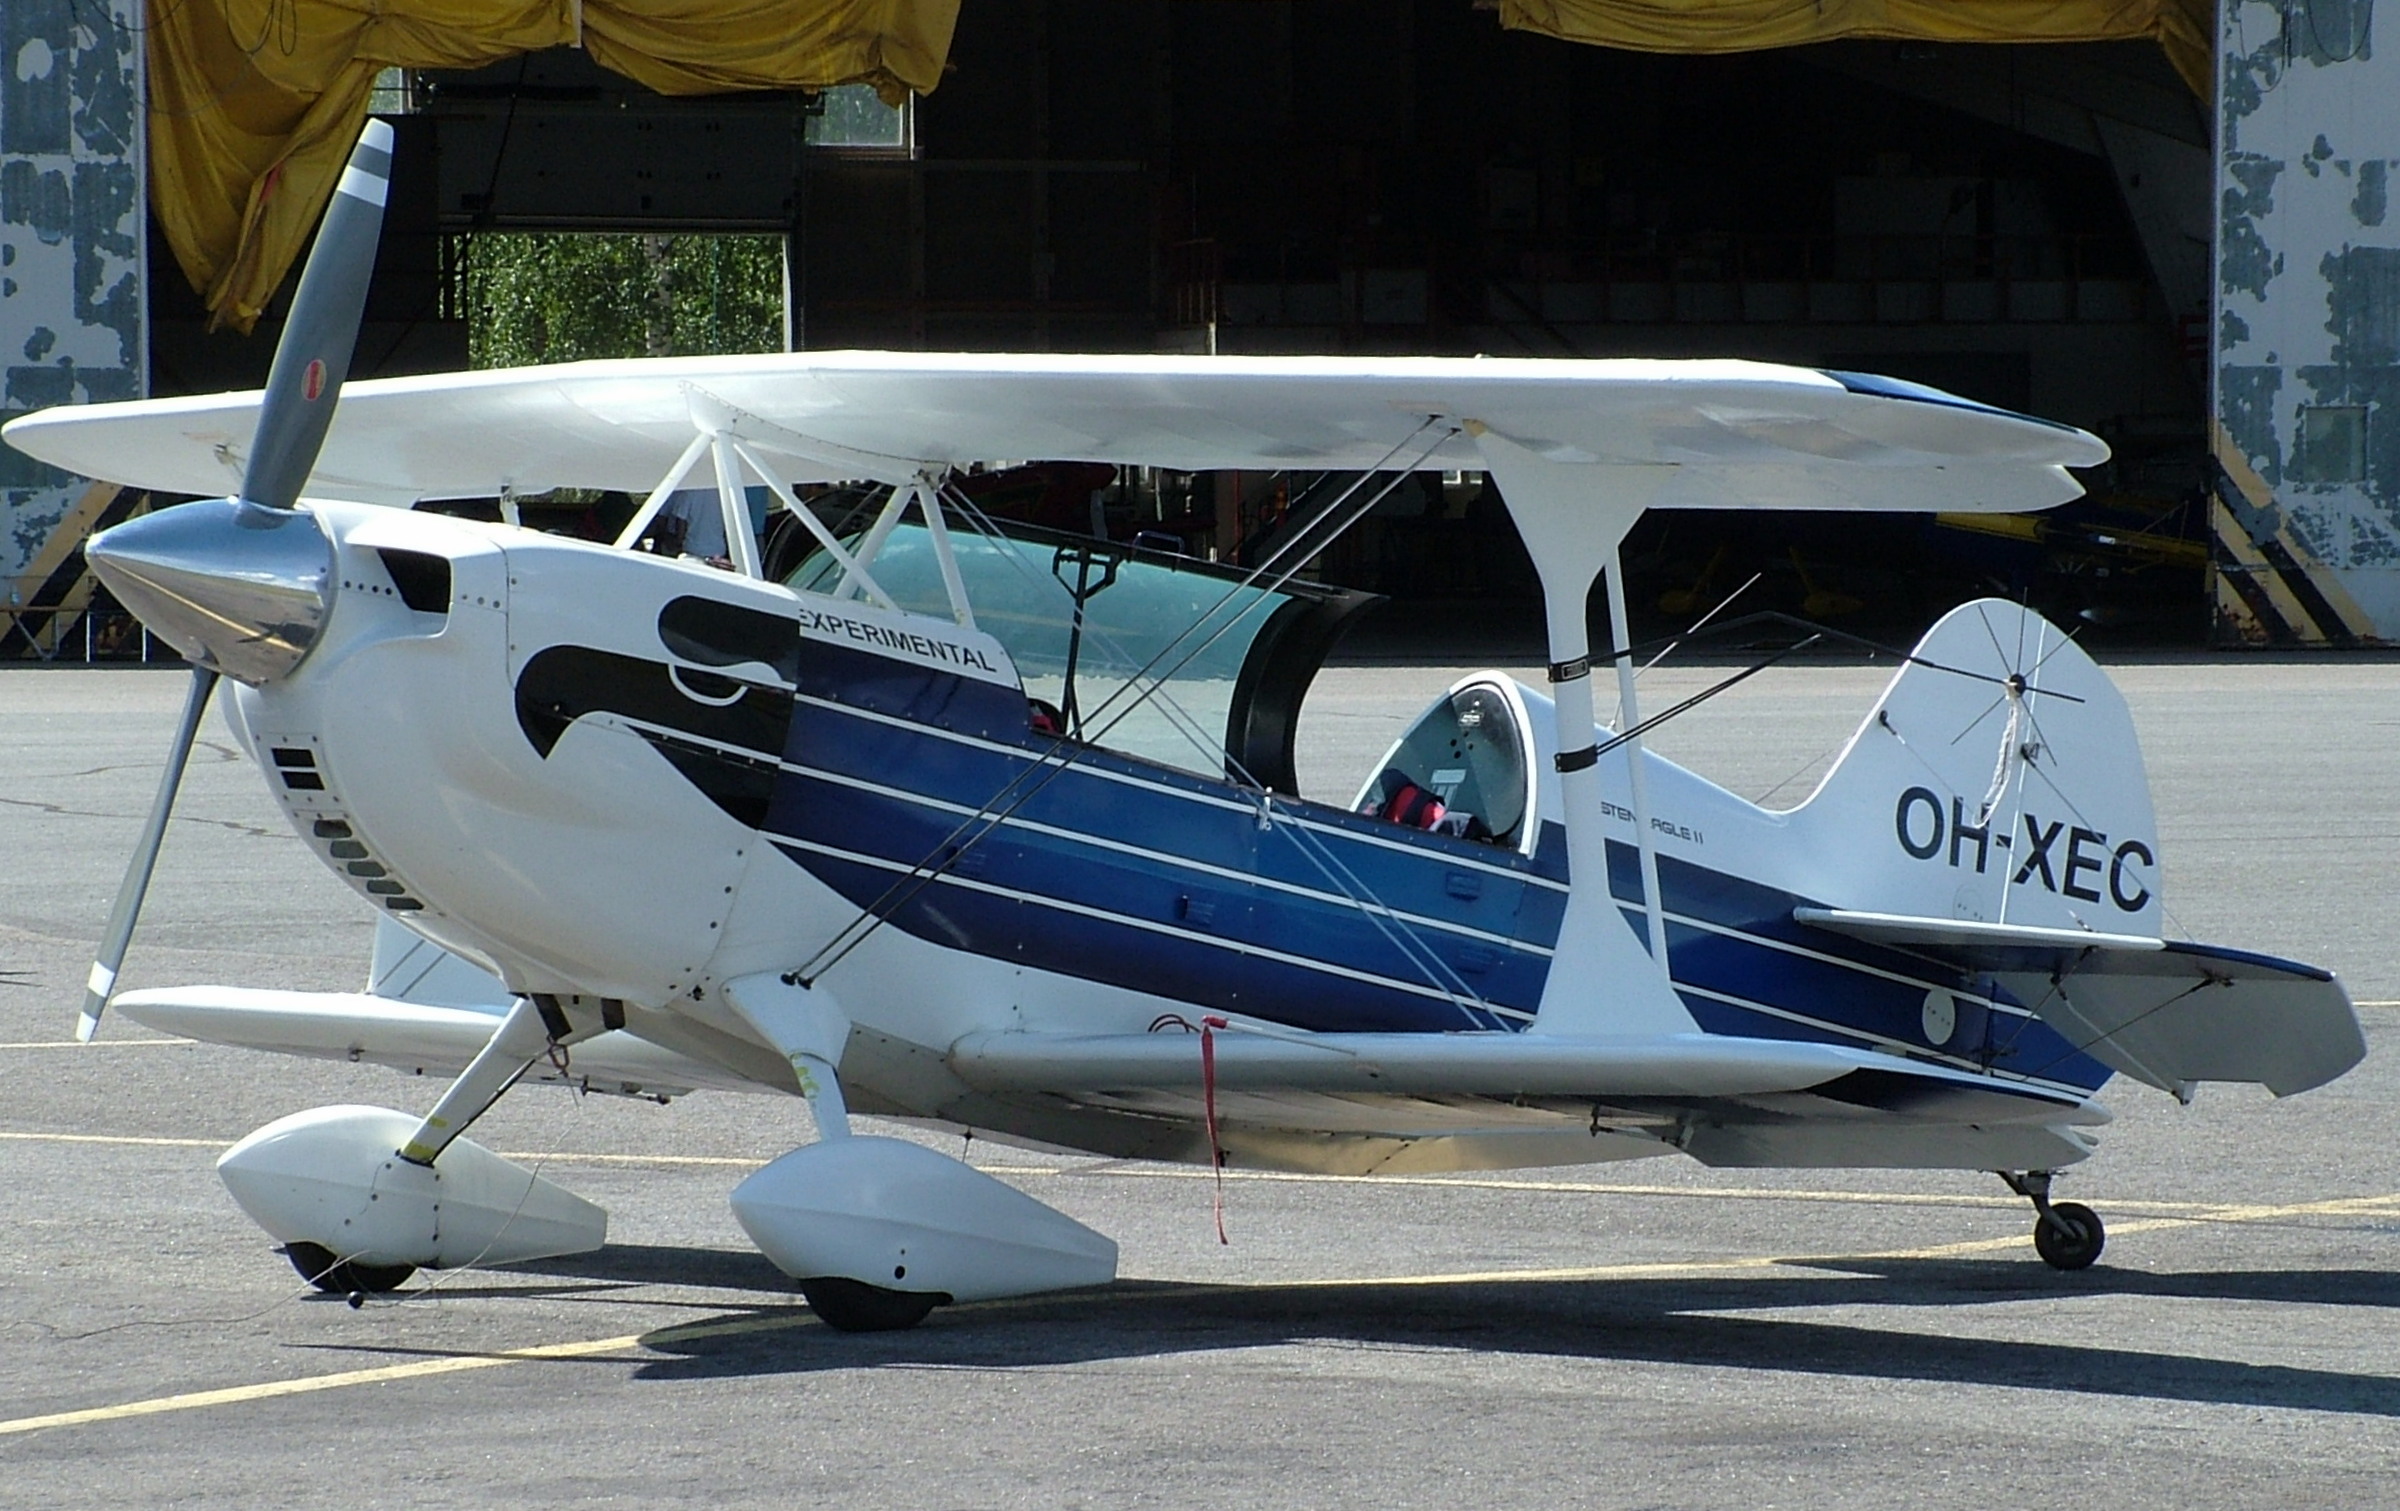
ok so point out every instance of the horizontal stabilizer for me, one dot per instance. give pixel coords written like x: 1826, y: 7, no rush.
x: 418, y: 1037
x: 1461, y: 1064
x: 1988, y: 946
x: 2169, y: 1013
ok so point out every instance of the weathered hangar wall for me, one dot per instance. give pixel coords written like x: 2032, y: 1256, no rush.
x: 2307, y: 439
x: 72, y: 281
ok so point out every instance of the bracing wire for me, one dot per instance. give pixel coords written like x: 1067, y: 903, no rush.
x: 1337, y: 515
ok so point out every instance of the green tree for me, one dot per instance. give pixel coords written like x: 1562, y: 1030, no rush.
x: 565, y: 296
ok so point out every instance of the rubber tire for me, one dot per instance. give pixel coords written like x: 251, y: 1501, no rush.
x: 852, y: 1306
x: 345, y: 1277
x: 2070, y: 1251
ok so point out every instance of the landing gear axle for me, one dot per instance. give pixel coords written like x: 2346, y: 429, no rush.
x: 345, y: 1277
x: 2068, y: 1235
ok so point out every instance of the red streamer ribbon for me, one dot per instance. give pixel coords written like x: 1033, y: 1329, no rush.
x: 1208, y: 1098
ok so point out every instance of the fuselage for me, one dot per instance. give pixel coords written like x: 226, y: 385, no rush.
x: 627, y: 777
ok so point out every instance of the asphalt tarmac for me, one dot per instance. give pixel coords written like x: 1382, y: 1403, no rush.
x: 1646, y: 1334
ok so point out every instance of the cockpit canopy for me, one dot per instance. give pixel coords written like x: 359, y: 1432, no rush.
x: 1463, y: 768
x: 1091, y: 624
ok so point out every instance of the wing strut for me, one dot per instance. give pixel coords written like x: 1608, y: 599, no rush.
x: 1605, y: 979
x: 1629, y: 720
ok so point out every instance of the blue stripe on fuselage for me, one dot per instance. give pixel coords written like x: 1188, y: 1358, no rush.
x: 1852, y: 992
x: 858, y: 791
x: 865, y: 797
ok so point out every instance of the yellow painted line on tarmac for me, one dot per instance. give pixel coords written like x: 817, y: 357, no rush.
x: 102, y: 1044
x: 118, y: 1138
x: 2338, y: 1206
x: 309, y: 1384
x: 800, y: 1317
x: 449, y: 1364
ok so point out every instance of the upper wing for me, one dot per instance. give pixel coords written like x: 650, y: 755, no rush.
x: 2162, y: 1011
x: 1748, y: 434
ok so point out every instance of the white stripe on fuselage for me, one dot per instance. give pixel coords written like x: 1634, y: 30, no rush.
x: 1147, y: 784
x: 1899, y: 1049
x: 1249, y: 809
x: 1181, y: 862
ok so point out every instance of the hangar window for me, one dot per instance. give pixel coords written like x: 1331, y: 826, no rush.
x: 853, y: 118
x: 2333, y: 443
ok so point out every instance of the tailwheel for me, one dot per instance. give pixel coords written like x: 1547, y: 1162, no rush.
x: 344, y: 1277
x: 2069, y: 1236
x: 852, y: 1306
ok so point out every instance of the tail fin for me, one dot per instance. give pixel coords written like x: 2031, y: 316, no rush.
x: 1997, y: 780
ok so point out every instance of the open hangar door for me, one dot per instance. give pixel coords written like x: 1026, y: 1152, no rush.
x: 2025, y: 224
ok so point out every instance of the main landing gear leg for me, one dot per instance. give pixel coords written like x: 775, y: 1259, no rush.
x: 359, y: 1202
x: 2067, y: 1234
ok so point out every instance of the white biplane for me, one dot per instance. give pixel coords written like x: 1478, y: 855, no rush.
x: 956, y: 822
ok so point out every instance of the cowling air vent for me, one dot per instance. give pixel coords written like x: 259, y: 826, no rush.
x: 316, y: 810
x: 422, y: 578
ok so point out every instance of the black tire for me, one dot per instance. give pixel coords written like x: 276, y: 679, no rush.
x: 852, y: 1306
x: 345, y: 1277
x: 2071, y: 1238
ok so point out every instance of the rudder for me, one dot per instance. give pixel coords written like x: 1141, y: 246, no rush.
x: 1998, y: 779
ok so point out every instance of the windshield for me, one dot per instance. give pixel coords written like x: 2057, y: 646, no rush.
x: 1141, y: 618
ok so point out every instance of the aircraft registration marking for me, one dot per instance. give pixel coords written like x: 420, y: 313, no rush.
x: 796, y: 1317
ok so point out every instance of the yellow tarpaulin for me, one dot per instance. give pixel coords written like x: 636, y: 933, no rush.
x: 254, y: 103
x: 2185, y: 28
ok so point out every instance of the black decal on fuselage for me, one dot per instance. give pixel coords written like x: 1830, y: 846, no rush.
x: 727, y: 634
x: 565, y: 683
x: 2079, y: 860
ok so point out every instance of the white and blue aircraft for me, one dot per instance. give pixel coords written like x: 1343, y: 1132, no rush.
x: 969, y: 824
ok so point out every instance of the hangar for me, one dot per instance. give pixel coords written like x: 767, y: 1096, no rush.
x: 2163, y: 220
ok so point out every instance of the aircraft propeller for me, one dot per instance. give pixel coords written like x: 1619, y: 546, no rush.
x: 242, y: 585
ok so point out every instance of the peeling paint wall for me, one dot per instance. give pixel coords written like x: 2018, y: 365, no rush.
x: 73, y: 284
x: 2307, y: 327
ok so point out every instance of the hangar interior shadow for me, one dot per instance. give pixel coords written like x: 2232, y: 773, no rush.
x: 1679, y: 1321
x: 1370, y: 178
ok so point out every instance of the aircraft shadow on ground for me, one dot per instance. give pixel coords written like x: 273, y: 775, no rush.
x: 1658, y: 1320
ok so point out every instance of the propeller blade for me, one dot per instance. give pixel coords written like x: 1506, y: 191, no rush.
x: 102, y: 983
x: 313, y: 357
